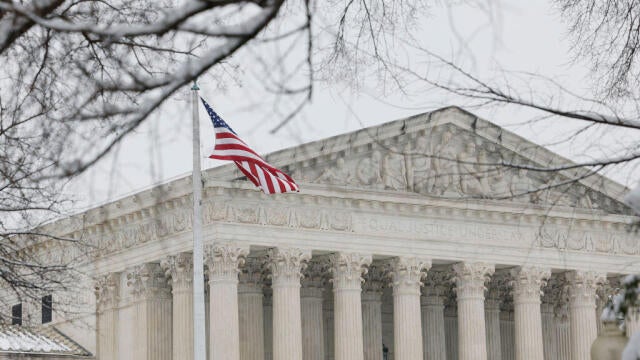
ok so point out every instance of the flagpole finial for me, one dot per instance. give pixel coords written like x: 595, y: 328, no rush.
x: 195, y: 86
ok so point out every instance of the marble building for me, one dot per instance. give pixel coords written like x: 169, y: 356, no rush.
x: 404, y: 243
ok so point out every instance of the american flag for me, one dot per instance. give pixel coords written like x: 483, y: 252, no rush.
x: 230, y: 147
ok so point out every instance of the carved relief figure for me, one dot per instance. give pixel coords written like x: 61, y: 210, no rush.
x: 469, y: 172
x: 394, y: 170
x: 419, y: 166
x: 521, y: 184
x: 339, y: 175
x: 443, y: 164
x: 368, y: 170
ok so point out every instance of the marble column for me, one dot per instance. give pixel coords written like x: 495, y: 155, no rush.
x: 250, y: 311
x: 286, y: 266
x: 372, y: 312
x: 470, y: 279
x: 507, y: 331
x: 347, y: 270
x: 223, y: 262
x: 153, y: 313
x: 406, y: 275
x: 311, y: 298
x: 552, y: 295
x: 268, y: 321
x: 497, y: 291
x: 563, y: 332
x: 179, y: 268
x: 451, y: 330
x: 327, y: 315
x: 582, y: 304
x: 433, y: 325
x: 107, y: 298
x: 527, y: 287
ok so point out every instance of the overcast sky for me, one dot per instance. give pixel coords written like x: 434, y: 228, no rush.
x: 525, y: 36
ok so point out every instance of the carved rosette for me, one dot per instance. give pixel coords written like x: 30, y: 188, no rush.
x: 470, y: 279
x: 286, y: 265
x: 147, y: 281
x: 407, y: 274
x: 224, y: 261
x: 315, y: 276
x: 528, y: 282
x: 179, y: 268
x: 348, y: 269
x: 251, y: 276
x: 582, y: 286
x: 107, y: 290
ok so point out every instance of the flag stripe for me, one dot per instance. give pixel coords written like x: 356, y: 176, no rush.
x: 230, y: 147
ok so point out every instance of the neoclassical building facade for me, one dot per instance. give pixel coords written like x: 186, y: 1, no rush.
x: 406, y: 242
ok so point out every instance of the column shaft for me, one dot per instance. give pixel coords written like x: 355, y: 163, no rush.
x: 107, y: 297
x: 433, y: 328
x: 582, y: 305
x: 492, y: 316
x: 527, y: 285
x: 251, y: 328
x: 223, y: 261
x: 286, y: 270
x: 407, y: 274
x: 179, y: 268
x: 372, y: 320
x: 347, y: 269
x: 312, y: 324
x: 470, y: 279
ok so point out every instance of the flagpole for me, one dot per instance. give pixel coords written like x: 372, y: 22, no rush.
x: 199, y: 346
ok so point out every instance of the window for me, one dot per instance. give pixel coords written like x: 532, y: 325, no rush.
x: 47, y: 308
x: 16, y: 314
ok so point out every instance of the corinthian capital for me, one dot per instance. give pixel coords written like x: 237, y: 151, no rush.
x: 407, y: 273
x: 107, y: 290
x: 179, y: 268
x: 347, y: 269
x: 286, y: 265
x: 528, y: 282
x: 582, y: 286
x: 470, y: 279
x: 148, y: 281
x: 251, y: 276
x: 224, y: 261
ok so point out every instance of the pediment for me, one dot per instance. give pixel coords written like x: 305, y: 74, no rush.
x: 449, y: 154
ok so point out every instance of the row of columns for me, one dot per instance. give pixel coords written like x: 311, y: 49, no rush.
x: 237, y: 320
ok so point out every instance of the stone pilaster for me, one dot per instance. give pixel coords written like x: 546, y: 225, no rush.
x: 406, y: 275
x: 470, y: 279
x: 250, y: 311
x: 107, y: 289
x: 153, y: 313
x: 582, y: 287
x: 372, y: 312
x: 223, y: 262
x: 179, y: 269
x: 433, y: 325
x: 347, y: 270
x: 311, y: 297
x: 527, y: 288
x: 286, y: 265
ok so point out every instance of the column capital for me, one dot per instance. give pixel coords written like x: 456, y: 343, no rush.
x: 437, y: 283
x: 374, y: 282
x: 407, y: 273
x: 148, y: 281
x: 582, y: 286
x: 528, y: 282
x: 179, y: 269
x: 224, y: 260
x: 107, y: 290
x: 286, y: 265
x: 251, y: 276
x: 315, y: 277
x: 347, y: 270
x: 470, y: 279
